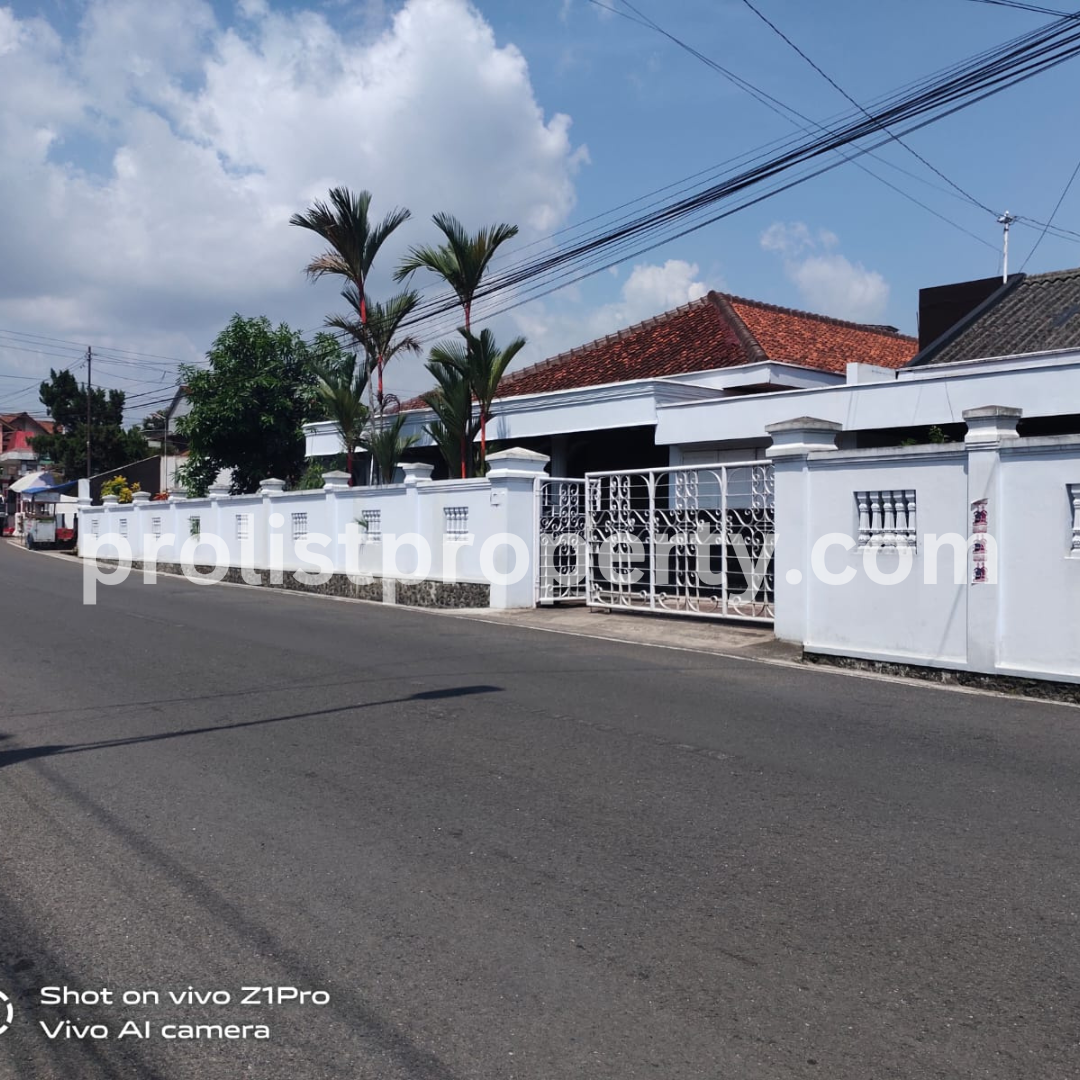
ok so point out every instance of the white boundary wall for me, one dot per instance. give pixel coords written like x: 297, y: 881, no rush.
x: 462, y: 525
x: 1025, y: 493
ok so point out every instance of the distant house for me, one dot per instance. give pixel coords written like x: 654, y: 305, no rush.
x: 17, y: 455
x: 981, y: 343
x: 598, y: 406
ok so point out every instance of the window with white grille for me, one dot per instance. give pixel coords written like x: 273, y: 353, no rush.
x: 886, y: 518
x: 155, y: 526
x: 194, y: 526
x: 243, y: 526
x: 123, y: 526
x: 456, y: 521
x: 1074, y: 498
x: 371, y: 526
x: 299, y: 526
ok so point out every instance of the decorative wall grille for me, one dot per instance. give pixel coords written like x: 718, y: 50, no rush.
x: 194, y: 525
x: 243, y: 526
x: 456, y: 521
x: 371, y: 526
x: 123, y: 526
x: 155, y: 526
x: 299, y: 526
x: 886, y: 518
x: 94, y: 526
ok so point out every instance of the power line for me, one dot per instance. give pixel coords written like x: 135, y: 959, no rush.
x: 1028, y: 7
x: 926, y: 101
x: 836, y: 86
x: 782, y: 110
x: 1057, y: 207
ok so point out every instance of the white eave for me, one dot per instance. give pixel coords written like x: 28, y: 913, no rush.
x: 1044, y: 384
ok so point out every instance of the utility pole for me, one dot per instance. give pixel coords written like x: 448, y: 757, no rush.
x: 89, y: 398
x: 1006, y: 220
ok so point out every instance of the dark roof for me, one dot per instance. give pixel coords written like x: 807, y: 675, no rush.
x: 716, y: 331
x: 1032, y: 313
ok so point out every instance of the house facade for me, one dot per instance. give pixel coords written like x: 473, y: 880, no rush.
x: 597, y: 406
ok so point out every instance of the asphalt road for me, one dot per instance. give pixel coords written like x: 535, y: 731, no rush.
x: 503, y: 853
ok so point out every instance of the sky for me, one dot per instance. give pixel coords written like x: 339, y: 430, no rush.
x: 153, y: 154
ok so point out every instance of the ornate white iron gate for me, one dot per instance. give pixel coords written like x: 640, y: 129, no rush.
x: 696, y: 540
x: 560, y: 516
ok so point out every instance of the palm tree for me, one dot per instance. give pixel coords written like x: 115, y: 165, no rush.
x: 377, y: 335
x: 387, y: 444
x: 340, y: 389
x: 462, y: 261
x: 486, y: 366
x: 354, y: 240
x: 452, y: 402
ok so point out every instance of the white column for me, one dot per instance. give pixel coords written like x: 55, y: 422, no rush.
x: 82, y: 519
x: 512, y: 475
x: 333, y: 482
x: 267, y: 550
x: 988, y: 428
x: 221, y: 523
x: 140, y: 523
x: 793, y: 441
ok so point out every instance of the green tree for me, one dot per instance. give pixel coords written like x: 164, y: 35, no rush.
x: 486, y: 364
x: 340, y: 390
x: 345, y: 224
x: 378, y: 337
x: 461, y: 261
x: 387, y: 444
x: 248, y: 407
x: 454, y: 427
x: 111, y: 446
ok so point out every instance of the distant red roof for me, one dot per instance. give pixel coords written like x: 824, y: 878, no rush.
x: 717, y: 331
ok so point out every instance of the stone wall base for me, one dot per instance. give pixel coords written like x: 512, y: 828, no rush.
x: 1014, y: 685
x: 408, y: 593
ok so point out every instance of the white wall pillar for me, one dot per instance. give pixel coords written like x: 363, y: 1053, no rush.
x: 270, y: 543
x: 513, y: 474
x: 333, y: 482
x: 82, y: 521
x: 793, y: 441
x: 988, y: 428
x: 140, y: 523
x: 220, y: 523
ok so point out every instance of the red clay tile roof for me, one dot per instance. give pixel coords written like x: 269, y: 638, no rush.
x: 817, y: 341
x: 716, y: 331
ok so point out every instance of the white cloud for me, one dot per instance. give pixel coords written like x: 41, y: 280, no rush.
x: 152, y: 161
x: 650, y: 289
x: 828, y: 282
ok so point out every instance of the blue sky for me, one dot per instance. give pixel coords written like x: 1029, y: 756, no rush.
x: 155, y: 152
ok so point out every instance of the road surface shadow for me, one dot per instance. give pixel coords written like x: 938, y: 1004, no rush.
x: 20, y: 754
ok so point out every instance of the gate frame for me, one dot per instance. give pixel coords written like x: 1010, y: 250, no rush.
x: 580, y: 594
x: 651, y: 475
